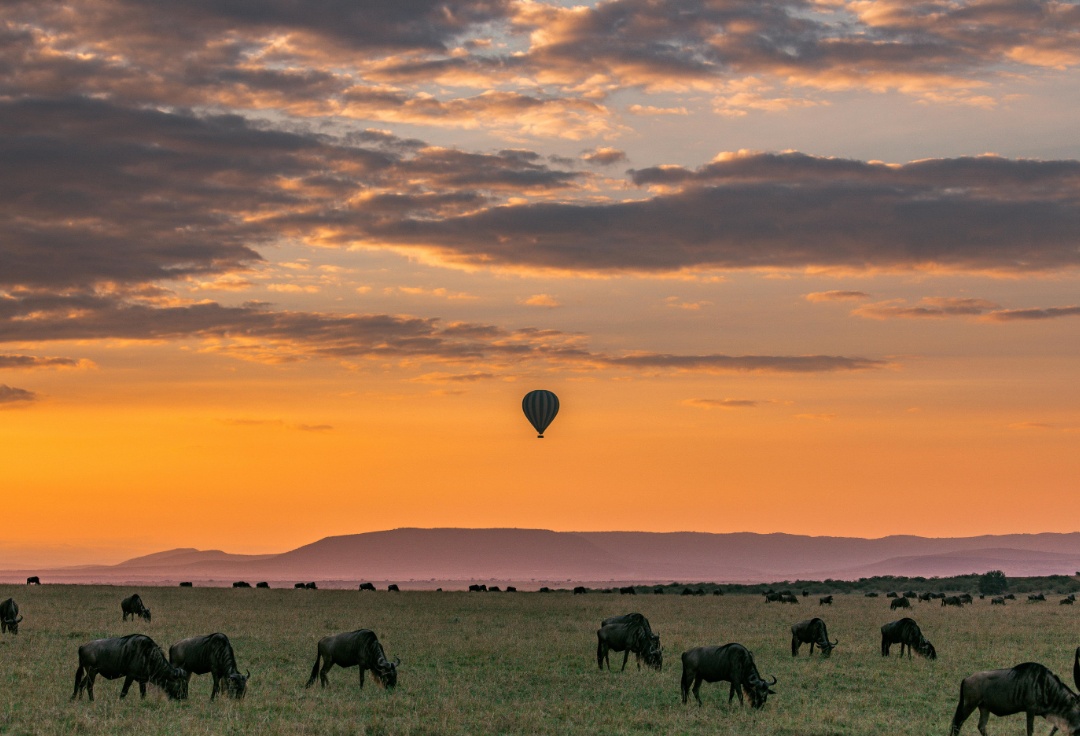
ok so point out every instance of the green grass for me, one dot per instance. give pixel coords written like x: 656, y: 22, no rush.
x: 525, y: 663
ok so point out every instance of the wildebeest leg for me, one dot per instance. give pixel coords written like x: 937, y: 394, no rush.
x: 91, y: 675
x: 361, y: 676
x: 214, y: 691
x: 884, y: 647
x: 1031, y: 723
x: 142, y: 689
x: 127, y: 684
x: 685, y: 683
x: 327, y: 664
x: 625, y: 656
x: 79, y: 684
x: 811, y: 647
x: 795, y: 644
x: 963, y: 710
x: 697, y: 687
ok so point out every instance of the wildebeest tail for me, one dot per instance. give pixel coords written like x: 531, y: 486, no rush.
x: 599, y: 651
x: 960, y: 716
x: 314, y: 669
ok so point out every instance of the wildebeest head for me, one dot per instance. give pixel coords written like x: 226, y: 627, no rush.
x: 759, y: 691
x: 654, y: 654
x: 145, y: 613
x: 13, y: 624
x: 176, y: 684
x: 385, y: 672
x: 827, y: 646
x: 236, y: 684
x: 926, y: 649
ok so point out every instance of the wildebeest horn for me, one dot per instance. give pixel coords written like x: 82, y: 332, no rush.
x: 248, y: 675
x: 17, y: 620
x: 397, y: 661
x: 773, y: 681
x: 836, y: 642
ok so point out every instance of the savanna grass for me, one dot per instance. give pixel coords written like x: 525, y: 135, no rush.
x: 517, y: 663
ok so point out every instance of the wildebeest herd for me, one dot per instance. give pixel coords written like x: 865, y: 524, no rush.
x: 1028, y: 688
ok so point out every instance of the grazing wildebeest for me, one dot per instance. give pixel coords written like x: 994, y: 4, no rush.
x: 687, y: 591
x: 241, y: 584
x: 477, y: 588
x: 910, y: 594
x: 367, y: 586
x: 937, y: 596
x: 511, y: 589
x: 186, y: 584
x: 771, y: 597
x: 965, y: 598
x: 311, y: 586
x: 9, y: 616
x: 299, y: 586
x: 925, y: 596
x: 627, y: 590
x: 717, y: 591
x: 392, y: 587
x: 805, y: 593
x: 825, y: 600
x: 580, y: 590
x: 544, y: 589
x: 997, y: 601
x: 811, y: 631
x: 899, y: 603
x: 1033, y: 598
x: 892, y: 594
x: 1067, y: 601
x: 630, y: 632
x: 658, y: 590
x: 789, y: 598
x: 871, y: 595
x: 1010, y: 597
x: 133, y: 606
x: 262, y: 584
x: 351, y: 649
x: 1030, y: 688
x: 728, y: 663
x: 212, y: 653
x: 494, y: 589
x: 33, y: 580
x: 906, y: 633
x: 134, y: 657
x: 953, y: 600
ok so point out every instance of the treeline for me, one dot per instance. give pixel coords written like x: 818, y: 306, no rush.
x: 974, y: 583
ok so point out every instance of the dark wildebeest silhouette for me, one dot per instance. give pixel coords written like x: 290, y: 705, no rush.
x: 134, y: 657
x: 789, y: 598
x: 494, y: 589
x: 771, y: 597
x: 580, y: 590
x: 511, y: 589
x: 906, y: 633
x: 360, y: 648
x: 133, y: 606
x: 997, y: 601
x: 965, y: 598
x: 262, y: 584
x: 392, y: 587
x: 627, y: 590
x: 299, y: 586
x: 953, y: 600
x: 925, y: 597
x: 367, y: 586
x: 33, y: 580
x: 1033, y: 598
x: 899, y: 603
x: 728, y: 663
x: 892, y: 594
x: 241, y: 584
x: 212, y: 653
x: 825, y: 600
x: 9, y: 616
x: 186, y: 584
x: 630, y: 632
x: 311, y: 586
x: 474, y: 588
x: 1029, y: 688
x: 811, y: 631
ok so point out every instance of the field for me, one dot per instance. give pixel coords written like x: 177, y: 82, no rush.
x: 507, y: 663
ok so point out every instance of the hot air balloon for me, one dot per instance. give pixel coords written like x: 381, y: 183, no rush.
x: 540, y: 408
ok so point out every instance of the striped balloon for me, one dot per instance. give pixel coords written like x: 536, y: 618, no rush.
x: 540, y: 408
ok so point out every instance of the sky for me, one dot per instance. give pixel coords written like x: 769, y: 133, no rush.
x: 272, y: 271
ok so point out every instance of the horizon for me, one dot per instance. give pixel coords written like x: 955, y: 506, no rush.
x: 292, y: 274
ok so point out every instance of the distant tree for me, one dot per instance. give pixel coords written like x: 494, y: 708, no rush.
x: 993, y: 582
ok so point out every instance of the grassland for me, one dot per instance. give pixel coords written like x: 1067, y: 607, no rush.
x: 517, y: 663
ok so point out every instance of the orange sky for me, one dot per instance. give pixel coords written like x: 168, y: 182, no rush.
x: 281, y: 277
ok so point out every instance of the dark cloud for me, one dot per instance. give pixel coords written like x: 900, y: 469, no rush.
x: 836, y: 296
x: 11, y: 396
x: 928, y: 307
x: 604, y: 156
x: 1010, y: 315
x: 723, y: 403
x: 34, y: 361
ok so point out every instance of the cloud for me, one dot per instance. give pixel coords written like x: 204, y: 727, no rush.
x: 928, y: 307
x: 605, y: 156
x: 723, y: 403
x: 836, y: 296
x: 1012, y: 315
x: 11, y: 396
x: 34, y: 361
x: 540, y: 300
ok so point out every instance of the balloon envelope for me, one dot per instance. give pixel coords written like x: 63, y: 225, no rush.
x: 540, y: 408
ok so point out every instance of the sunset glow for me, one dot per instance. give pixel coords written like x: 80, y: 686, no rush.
x: 268, y: 275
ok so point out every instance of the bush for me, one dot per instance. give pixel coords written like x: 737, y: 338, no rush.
x: 993, y: 582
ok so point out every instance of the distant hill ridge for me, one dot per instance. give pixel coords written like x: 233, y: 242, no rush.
x: 454, y: 554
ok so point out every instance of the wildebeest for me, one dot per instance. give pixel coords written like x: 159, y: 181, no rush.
x: 133, y: 606
x: 910, y: 594
x: 906, y: 633
x: 925, y: 596
x: 1030, y: 688
x: 997, y: 601
x: 717, y: 591
x: 771, y: 597
x: 262, y: 584
x: 544, y: 589
x: 811, y: 631
x: 392, y: 587
x: 580, y: 590
x: 494, y: 589
x: 805, y: 593
x: 186, y: 584
x: 241, y: 584
x: 1010, y: 596
x: 299, y: 586
x: 511, y: 589
x: 33, y: 580
x: 825, y: 600
x: 627, y: 590
x: 728, y: 663
x: 477, y: 588
x: 630, y: 632
x: 953, y: 600
x: 892, y: 594
x: 351, y: 649
x: 311, y: 586
x: 9, y: 616
x: 367, y: 586
x: 1066, y: 601
x: 212, y: 653
x: 789, y: 598
x: 134, y: 657
x: 1033, y: 598
x: 658, y: 590
x: 870, y: 595
x: 965, y: 598
x: 899, y: 603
